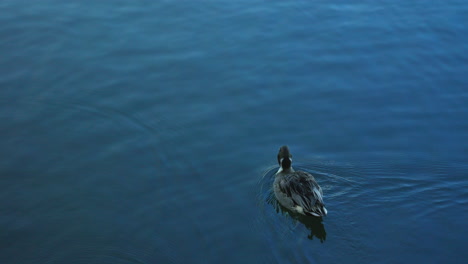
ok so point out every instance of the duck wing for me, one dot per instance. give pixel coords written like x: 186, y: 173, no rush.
x: 305, y: 192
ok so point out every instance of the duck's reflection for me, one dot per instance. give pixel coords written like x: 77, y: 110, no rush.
x: 315, y: 225
x: 312, y: 223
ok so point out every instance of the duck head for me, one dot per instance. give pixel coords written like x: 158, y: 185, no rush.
x: 284, y: 158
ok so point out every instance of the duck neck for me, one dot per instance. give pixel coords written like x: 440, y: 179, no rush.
x: 287, y: 170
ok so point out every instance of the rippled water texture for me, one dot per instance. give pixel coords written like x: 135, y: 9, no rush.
x: 147, y: 131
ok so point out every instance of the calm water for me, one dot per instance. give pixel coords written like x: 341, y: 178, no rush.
x: 147, y: 131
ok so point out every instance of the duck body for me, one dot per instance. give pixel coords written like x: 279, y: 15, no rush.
x: 297, y: 190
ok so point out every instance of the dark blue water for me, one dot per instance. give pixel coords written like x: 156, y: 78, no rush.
x: 147, y: 131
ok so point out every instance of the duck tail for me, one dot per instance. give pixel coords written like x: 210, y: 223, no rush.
x: 318, y: 210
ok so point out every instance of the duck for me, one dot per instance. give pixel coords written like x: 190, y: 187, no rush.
x: 297, y: 191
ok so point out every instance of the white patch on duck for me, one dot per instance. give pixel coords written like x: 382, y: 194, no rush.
x: 281, y: 167
x: 314, y: 214
x: 299, y: 209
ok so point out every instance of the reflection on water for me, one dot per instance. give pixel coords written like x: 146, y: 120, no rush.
x: 315, y: 226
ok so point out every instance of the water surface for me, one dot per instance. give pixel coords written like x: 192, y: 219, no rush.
x: 147, y: 131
